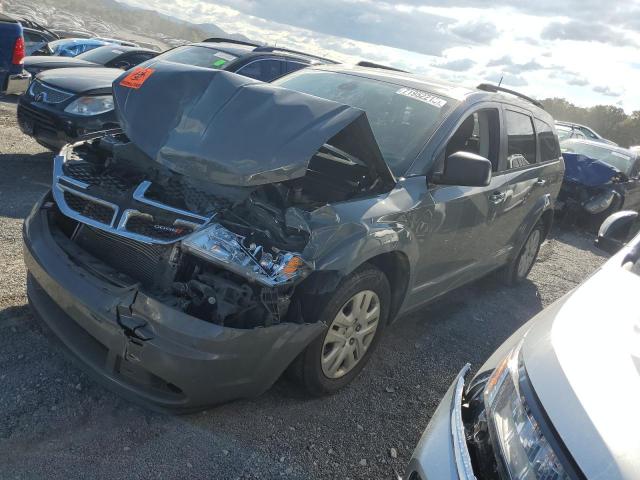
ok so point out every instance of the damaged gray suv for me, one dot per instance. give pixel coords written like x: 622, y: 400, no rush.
x: 235, y: 229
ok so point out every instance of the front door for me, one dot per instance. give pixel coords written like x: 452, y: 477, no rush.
x: 457, y: 236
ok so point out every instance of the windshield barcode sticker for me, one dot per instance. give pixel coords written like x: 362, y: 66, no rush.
x: 422, y: 96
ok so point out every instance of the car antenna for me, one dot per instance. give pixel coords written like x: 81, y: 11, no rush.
x: 500, y: 82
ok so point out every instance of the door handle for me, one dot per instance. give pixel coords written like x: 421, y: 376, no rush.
x: 541, y: 182
x: 497, y: 197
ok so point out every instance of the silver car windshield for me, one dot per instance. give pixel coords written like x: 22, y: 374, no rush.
x: 402, y: 118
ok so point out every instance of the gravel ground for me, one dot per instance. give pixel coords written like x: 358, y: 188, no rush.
x: 56, y: 423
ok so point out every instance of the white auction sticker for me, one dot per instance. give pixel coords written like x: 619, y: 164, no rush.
x: 225, y: 56
x: 422, y: 96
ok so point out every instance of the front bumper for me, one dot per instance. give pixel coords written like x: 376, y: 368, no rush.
x: 442, y: 452
x: 143, y: 349
x: 17, y: 84
x: 54, y: 128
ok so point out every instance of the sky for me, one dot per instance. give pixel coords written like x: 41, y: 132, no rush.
x: 587, y: 51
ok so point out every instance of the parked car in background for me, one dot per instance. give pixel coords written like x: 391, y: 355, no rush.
x: 36, y: 35
x: 109, y: 56
x: 69, y: 47
x: 555, y: 401
x: 580, y: 131
x: 566, y: 132
x: 13, y: 77
x: 599, y: 179
x: 62, y: 105
x: 244, y: 58
x: 238, y: 228
x: 115, y: 41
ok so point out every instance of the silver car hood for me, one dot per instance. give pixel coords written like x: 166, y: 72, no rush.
x: 228, y: 129
x: 583, y: 360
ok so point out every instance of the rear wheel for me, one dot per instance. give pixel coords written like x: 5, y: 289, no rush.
x: 518, y: 269
x: 355, y: 315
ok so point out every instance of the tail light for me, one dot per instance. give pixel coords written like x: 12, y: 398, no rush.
x: 18, y: 52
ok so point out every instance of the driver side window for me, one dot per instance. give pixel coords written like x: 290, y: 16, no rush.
x: 479, y: 133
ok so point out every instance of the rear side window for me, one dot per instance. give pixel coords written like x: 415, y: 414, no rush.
x: 521, y: 140
x: 549, y: 147
x: 294, y: 66
x: 264, y: 70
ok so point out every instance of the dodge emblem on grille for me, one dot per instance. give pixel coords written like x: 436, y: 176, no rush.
x: 165, y: 228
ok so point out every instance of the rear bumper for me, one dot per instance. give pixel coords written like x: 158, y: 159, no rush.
x: 143, y: 349
x: 442, y: 452
x: 52, y: 127
x: 17, y: 84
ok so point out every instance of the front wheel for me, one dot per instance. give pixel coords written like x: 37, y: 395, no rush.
x: 518, y: 269
x: 355, y: 315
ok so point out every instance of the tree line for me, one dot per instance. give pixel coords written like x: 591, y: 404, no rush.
x: 609, y: 121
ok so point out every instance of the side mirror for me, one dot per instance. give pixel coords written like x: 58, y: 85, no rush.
x: 465, y: 169
x: 617, y: 230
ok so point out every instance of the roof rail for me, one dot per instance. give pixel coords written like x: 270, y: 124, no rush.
x: 487, y: 87
x: 229, y: 40
x: 368, y: 64
x: 286, y: 50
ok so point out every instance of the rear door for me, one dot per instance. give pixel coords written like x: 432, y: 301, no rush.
x: 528, y: 173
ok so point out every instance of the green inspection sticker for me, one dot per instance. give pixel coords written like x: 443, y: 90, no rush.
x: 219, y: 63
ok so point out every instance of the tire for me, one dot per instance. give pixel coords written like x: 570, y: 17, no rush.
x: 314, y: 369
x: 514, y: 273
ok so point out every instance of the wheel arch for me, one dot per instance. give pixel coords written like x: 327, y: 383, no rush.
x: 396, y: 267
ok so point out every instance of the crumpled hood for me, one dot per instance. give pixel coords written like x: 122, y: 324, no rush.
x: 583, y: 358
x: 228, y: 129
x: 587, y: 171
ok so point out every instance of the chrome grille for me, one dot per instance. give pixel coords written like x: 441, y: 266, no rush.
x: 89, y: 208
x: 119, y: 206
x: 41, y: 92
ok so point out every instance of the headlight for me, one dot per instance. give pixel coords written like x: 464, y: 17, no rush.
x: 600, y: 202
x: 232, y: 251
x: 517, y: 437
x: 91, y: 105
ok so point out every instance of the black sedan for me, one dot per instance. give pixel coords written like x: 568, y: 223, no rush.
x: 64, y: 104
x: 110, y: 56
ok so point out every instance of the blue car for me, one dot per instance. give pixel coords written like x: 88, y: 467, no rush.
x: 599, y: 179
x: 70, y: 47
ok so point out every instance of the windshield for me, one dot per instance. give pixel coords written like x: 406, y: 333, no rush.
x: 402, y: 119
x: 617, y: 159
x: 101, y: 55
x: 198, y: 56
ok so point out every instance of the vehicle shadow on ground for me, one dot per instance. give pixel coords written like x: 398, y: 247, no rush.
x: 9, y: 99
x: 23, y: 179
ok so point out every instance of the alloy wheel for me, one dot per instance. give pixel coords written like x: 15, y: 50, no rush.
x: 350, y: 334
x: 529, y: 252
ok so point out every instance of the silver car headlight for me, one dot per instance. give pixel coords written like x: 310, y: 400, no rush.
x: 516, y: 435
x: 88, y: 106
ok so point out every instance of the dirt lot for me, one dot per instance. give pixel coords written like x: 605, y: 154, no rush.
x: 56, y: 423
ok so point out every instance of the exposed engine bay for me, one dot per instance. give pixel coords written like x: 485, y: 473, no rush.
x: 230, y: 255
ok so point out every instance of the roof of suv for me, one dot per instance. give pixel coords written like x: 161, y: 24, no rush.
x: 438, y: 87
x: 245, y: 49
